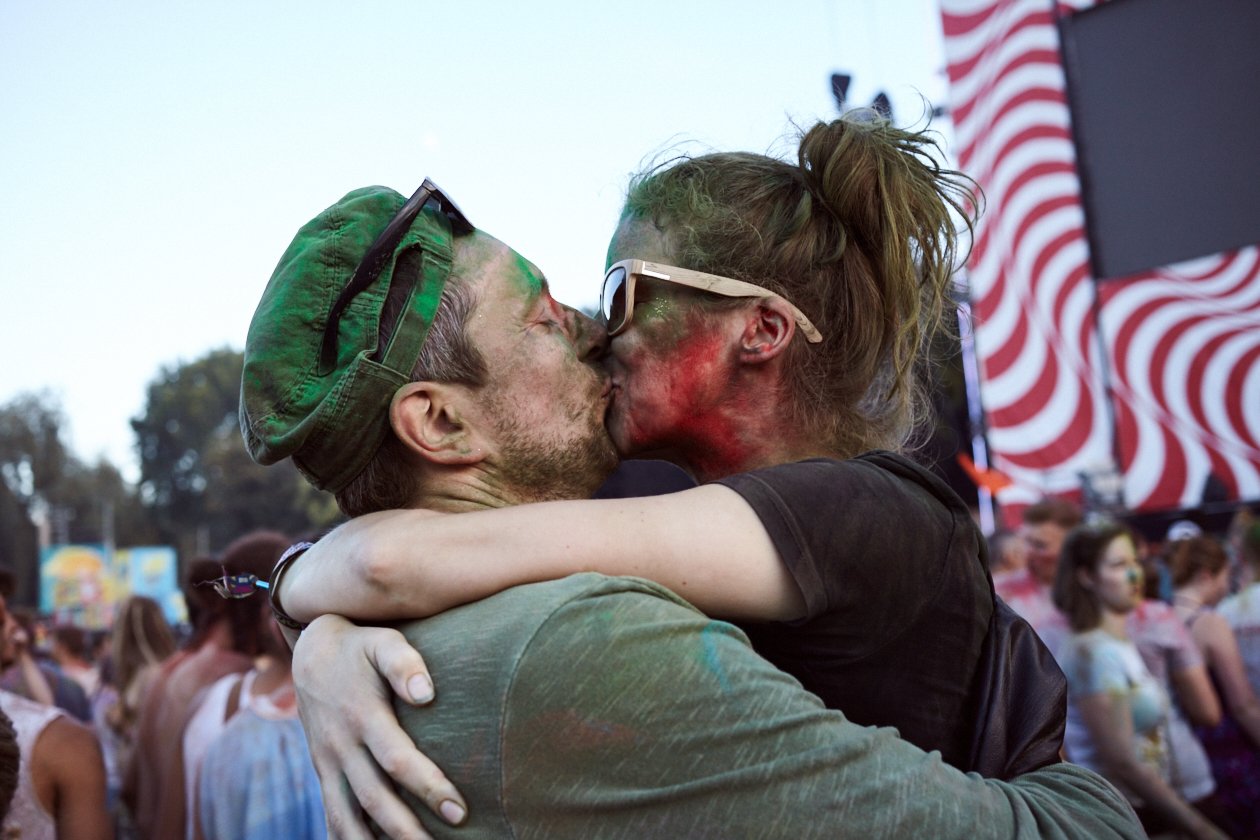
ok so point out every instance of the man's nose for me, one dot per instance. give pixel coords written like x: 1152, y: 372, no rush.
x: 589, y: 337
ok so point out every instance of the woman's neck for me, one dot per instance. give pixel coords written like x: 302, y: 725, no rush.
x: 1112, y: 623
x: 721, y: 462
x: 1189, y: 597
x: 274, y: 675
x: 739, y: 435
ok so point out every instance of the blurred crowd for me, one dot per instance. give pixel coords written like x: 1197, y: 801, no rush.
x: 137, y: 732
x: 1160, y: 644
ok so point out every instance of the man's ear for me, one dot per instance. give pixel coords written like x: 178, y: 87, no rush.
x: 426, y: 417
x: 768, y: 330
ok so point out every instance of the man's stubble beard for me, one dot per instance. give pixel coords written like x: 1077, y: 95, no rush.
x: 541, y: 469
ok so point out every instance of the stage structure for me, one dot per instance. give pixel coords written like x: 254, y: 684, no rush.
x: 1115, y: 278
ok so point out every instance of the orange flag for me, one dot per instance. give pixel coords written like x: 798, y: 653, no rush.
x: 985, y: 478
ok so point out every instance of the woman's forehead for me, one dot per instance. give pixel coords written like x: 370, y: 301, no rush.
x: 638, y: 238
x: 1120, y: 549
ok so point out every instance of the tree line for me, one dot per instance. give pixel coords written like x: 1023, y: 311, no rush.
x: 197, y: 490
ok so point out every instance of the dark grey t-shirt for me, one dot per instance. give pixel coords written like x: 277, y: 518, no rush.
x: 897, y: 594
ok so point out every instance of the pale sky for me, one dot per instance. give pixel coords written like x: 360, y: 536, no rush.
x: 156, y: 158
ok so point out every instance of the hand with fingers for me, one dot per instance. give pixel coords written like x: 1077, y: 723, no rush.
x: 344, y: 675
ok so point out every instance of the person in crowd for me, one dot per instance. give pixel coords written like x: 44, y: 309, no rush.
x: 854, y: 569
x: 141, y: 640
x: 60, y: 791
x: 1045, y: 525
x: 255, y: 553
x: 1235, y: 536
x: 1174, y: 661
x: 1182, y: 529
x: 69, y: 650
x: 33, y: 675
x: 618, y: 708
x: 155, y: 787
x: 256, y: 779
x: 201, y: 601
x: 1007, y: 555
x: 1242, y: 609
x: 68, y: 693
x: 1156, y: 581
x: 1168, y: 653
x: 10, y: 765
x: 103, y: 700
x: 24, y: 676
x: 1117, y: 711
x: 1200, y: 572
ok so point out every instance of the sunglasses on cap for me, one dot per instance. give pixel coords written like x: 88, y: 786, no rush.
x: 616, y: 302
x: 380, y: 252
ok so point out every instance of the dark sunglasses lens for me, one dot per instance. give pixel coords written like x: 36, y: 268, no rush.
x: 613, y: 300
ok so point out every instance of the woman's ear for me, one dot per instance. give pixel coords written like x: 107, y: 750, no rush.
x: 768, y: 331
x: 427, y: 418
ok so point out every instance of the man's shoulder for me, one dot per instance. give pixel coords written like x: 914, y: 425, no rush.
x: 482, y: 644
x: 519, y: 607
x: 489, y: 659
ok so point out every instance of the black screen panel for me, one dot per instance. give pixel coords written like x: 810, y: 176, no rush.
x: 1165, y: 102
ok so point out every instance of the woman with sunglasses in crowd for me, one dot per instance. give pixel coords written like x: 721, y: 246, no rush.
x: 770, y: 325
x: 1117, y: 711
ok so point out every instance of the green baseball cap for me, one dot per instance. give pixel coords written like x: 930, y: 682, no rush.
x: 319, y: 375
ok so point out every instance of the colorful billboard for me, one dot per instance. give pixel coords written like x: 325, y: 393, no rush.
x: 83, y: 584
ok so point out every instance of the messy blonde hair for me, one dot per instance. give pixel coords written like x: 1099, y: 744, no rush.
x: 859, y: 232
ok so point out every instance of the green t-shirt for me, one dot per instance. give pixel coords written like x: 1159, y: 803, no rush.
x: 607, y: 707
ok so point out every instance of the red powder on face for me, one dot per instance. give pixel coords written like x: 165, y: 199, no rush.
x: 684, y: 399
x: 711, y: 434
x: 695, y: 368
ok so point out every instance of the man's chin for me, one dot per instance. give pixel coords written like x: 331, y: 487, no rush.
x: 612, y: 453
x: 600, y: 462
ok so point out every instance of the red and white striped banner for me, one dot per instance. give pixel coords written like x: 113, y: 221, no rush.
x: 1160, y: 370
